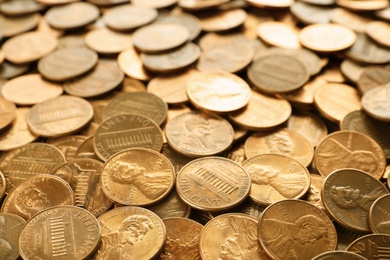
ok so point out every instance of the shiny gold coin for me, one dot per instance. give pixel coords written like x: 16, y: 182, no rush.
x: 218, y: 92
x: 197, y: 134
x: 106, y: 41
x: 38, y: 90
x: 10, y: 226
x: 222, y: 20
x: 354, y: 21
x: 68, y: 145
x: 86, y: 150
x: 279, y: 34
x: 29, y: 47
x: 363, y: 5
x: 327, y: 37
x: 171, y: 207
x: 271, y: 3
x: 375, y: 103
x: 130, y: 232
x: 66, y: 63
x: 36, y: 194
x: 379, y: 31
x: 11, y: 26
x: 196, y: 5
x: 213, y: 184
x: 7, y: 112
x: 130, y: 63
x: 373, y: 76
x: 379, y: 216
x: 65, y: 232
x: 349, y: 149
x: 191, y: 22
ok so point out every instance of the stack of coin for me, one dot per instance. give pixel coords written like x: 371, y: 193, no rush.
x: 193, y: 129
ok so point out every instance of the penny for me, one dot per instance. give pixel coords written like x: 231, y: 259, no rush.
x: 37, y: 194
x: 378, y: 218
x: 332, y: 73
x: 120, y: 132
x: 89, y: 129
x: 138, y: 103
x: 28, y: 90
x: 65, y: 232
x: 159, y: 37
x: 7, y: 112
x: 339, y: 255
x: 182, y: 239
x: 130, y: 63
x: 291, y: 229
x: 276, y: 177
x: 213, y: 184
x: 222, y: 20
x: 231, y: 57
x: 68, y: 145
x: 10, y: 70
x: 128, y: 17
x: 218, y: 92
x: 354, y: 21
x: 71, y: 41
x: 313, y: 195
x: 371, y: 246
x: 230, y: 235
x: 55, y: 2
x: 349, y: 149
x: 106, y: 41
x: 191, y: 22
x: 351, y: 70
x: 271, y: 3
x: 171, y: 61
x: 310, y: 13
x: 10, y: 227
x: 18, y: 133
x: 20, y: 7
x: 320, y: 2
x: 171, y: 207
x: 14, y: 25
x: 86, y: 150
x: 194, y: 5
x: 279, y: 34
x: 236, y: 153
x: 28, y: 47
x: 66, y: 63
x: 278, y: 73
x: 130, y: 232
x: 103, y: 78
x: 43, y: 26
x: 364, y: 5
x: 375, y: 103
x: 379, y: 31
x: 327, y: 37
x: 153, y: 3
x: 107, y: 3
x: 373, y: 76
x: 132, y: 85
x: 2, y: 185
x: 72, y: 15
x: 334, y: 100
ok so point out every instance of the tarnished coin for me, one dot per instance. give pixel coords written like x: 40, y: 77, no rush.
x: 279, y: 34
x: 11, y: 26
x: 20, y: 7
x: 366, y: 51
x: 191, y: 22
x: 66, y: 63
x: 29, y: 47
x: 291, y: 229
x: 106, y: 41
x: 373, y: 76
x: 72, y: 15
x: 128, y: 17
x: 283, y: 141
x: 182, y: 240
x: 102, y: 79
x: 171, y: 207
x: 213, y: 184
x: 59, y: 116
x: 218, y: 92
x: 348, y: 195
x: 276, y: 177
x: 7, y: 112
x: 371, y: 246
x: 197, y: 134
x: 126, y: 131
x: 336, y: 255
x: 130, y: 63
x: 349, y: 149
x: 68, y: 145
x: 86, y: 150
x: 230, y: 236
x: 354, y: 21
x: 37, y: 194
x: 10, y: 70
x: 310, y: 13
x: 61, y: 232
x: 130, y: 233
x: 10, y: 227
x: 138, y: 103
x: 379, y: 216
x: 30, y: 89
x: 274, y: 112
x: 218, y: 21
x: 376, y: 101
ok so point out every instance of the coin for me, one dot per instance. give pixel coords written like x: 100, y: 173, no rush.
x: 2, y: 185
x: 310, y: 13
x: 106, y: 41
x: 378, y: 218
x: 218, y: 21
x: 14, y: 25
x: 196, y: 134
x: 351, y: 70
x: 372, y: 245
x: 59, y: 116
x: 10, y: 70
x: 352, y: 20
x: 67, y: 232
x: 20, y: 7
x: 36, y: 194
x: 313, y: 195
x: 383, y: 14
x: 271, y: 3
x: 213, y: 184
x: 68, y: 145
x: 86, y: 150
x: 154, y: 3
x: 379, y: 31
x: 171, y: 207
x: 345, y: 255
x: 66, y: 63
x: 364, y: 5
x: 218, y: 92
x: 279, y: 34
x: 196, y: 5
x: 291, y: 229
x: 7, y: 112
x: 130, y: 63
x: 191, y: 22
x: 375, y: 103
x: 10, y: 227
x: 373, y: 76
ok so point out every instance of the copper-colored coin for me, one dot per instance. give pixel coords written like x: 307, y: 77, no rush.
x: 43, y: 26
x: 320, y: 2
x: 106, y: 41
x: 132, y: 85
x: 366, y: 51
x: 278, y: 73
x: 291, y: 229
x: 2, y: 185
x: 379, y: 216
x: 102, y: 79
x: 128, y: 17
x: 276, y: 177
x: 20, y: 7
x: 37, y: 194
x: 351, y: 70
x: 284, y: 141
x: 348, y: 195
x: 349, y: 149
x: 218, y: 92
x: 310, y: 13
x: 213, y: 184
x: 7, y: 112
x: 10, y: 70
x: 139, y: 103
x: 222, y: 20
x: 30, y: 89
x: 182, y: 240
x: 352, y: 20
x: 197, y: 134
x: 279, y: 34
x: 130, y: 63
x: 68, y: 145
x: 158, y: 4
x: 55, y: 2
x: 61, y: 232
x: 86, y: 150
x: 130, y: 232
x: 71, y: 41
x: 1, y: 57
x: 29, y: 47
x: 371, y: 246
x: 107, y: 3
x: 67, y: 63
x: 196, y: 5
x: 327, y: 37
x: 126, y: 131
x: 171, y: 61
x: 375, y: 103
x: 335, y: 255
x: 334, y: 101
x: 18, y: 133
x: 72, y: 16
x: 271, y: 3
x: 332, y: 73
x: 59, y: 116
x: 263, y: 112
x: 178, y: 160
x: 11, y: 26
x: 10, y: 227
x: 379, y: 31
x: 160, y: 37
x: 373, y: 76
x: 363, y: 5
x: 191, y: 22
x: 313, y: 195
x: 171, y: 207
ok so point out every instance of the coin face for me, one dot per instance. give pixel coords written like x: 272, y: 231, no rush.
x: 222, y: 20
x: 378, y: 218
x: 106, y: 41
x: 375, y: 103
x: 375, y: 241
x: 10, y: 226
x: 279, y: 34
x: 191, y: 22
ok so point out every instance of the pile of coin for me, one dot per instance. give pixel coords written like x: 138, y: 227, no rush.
x: 194, y: 129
